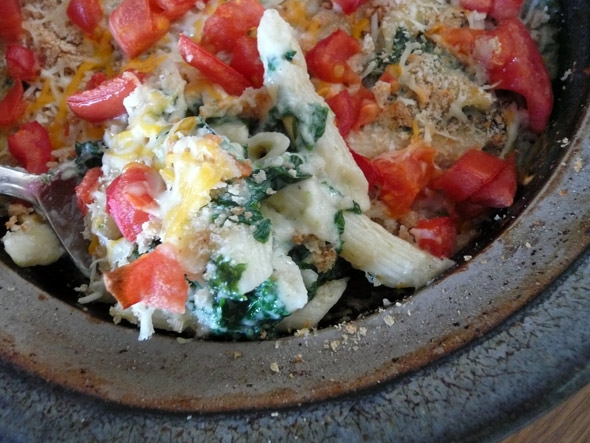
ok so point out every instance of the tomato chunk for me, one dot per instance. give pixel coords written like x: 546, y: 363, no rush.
x: 86, y: 188
x: 136, y: 27
x: 517, y: 66
x: 11, y: 22
x: 371, y: 173
x: 174, y: 9
x: 437, y: 236
x: 348, y: 6
x: 498, y: 9
x: 229, y: 22
x: 96, y: 79
x: 86, y: 14
x: 246, y: 60
x: 21, y: 63
x: 346, y: 110
x: 403, y: 174
x: 211, y: 67
x: 353, y: 111
x: 12, y: 106
x: 500, y: 191
x: 155, y: 278
x: 469, y: 174
x: 104, y: 101
x: 31, y: 146
x: 131, y: 195
x: 327, y: 60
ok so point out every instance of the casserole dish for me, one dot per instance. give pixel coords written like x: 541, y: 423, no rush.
x: 360, y: 375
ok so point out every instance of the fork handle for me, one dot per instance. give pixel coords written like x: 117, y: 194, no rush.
x: 18, y: 184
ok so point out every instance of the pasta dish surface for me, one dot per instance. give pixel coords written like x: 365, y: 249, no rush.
x: 238, y: 158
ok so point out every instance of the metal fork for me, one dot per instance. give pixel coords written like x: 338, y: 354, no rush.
x: 53, y: 195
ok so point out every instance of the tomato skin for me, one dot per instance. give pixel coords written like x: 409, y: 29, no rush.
x: 31, y: 146
x: 211, y: 67
x: 327, y: 60
x: 155, y: 278
x: 371, y: 173
x: 403, y: 174
x: 348, y: 6
x: 174, y: 9
x: 246, y: 60
x: 524, y: 72
x: 345, y: 109
x: 136, y: 27
x: 498, y: 9
x: 437, y: 236
x: 21, y: 63
x: 96, y: 79
x: 12, y: 106
x: 131, y: 195
x: 506, y: 9
x: 105, y: 101
x: 11, y: 22
x: 229, y: 22
x: 517, y: 67
x: 469, y: 174
x: 478, y: 5
x: 353, y: 111
x: 500, y: 191
x: 85, y: 14
x: 86, y: 188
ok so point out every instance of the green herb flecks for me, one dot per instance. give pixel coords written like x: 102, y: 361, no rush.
x: 224, y: 277
x: 304, y: 260
x: 304, y: 125
x: 261, y: 184
x: 249, y: 316
x: 89, y: 154
x: 289, y: 55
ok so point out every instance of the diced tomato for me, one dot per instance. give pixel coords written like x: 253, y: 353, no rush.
x: 21, y: 63
x: 346, y: 111
x: 96, y: 79
x: 513, y: 62
x: 174, y: 9
x: 469, y: 210
x: 328, y: 59
x: 86, y: 14
x: 246, y: 60
x: 353, y: 111
x: 403, y: 174
x: 469, y: 174
x: 229, y: 22
x: 211, y: 67
x: 131, y: 195
x: 104, y: 101
x: 136, y: 27
x: 155, y: 278
x: 86, y: 188
x: 498, y: 9
x: 368, y: 108
x: 12, y: 106
x: 11, y: 22
x: 371, y: 173
x: 31, y: 146
x: 436, y: 236
x: 478, y: 5
x: 348, y: 6
x: 506, y: 9
x: 500, y: 191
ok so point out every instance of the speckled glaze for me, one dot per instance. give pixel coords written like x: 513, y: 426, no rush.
x: 462, y: 359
